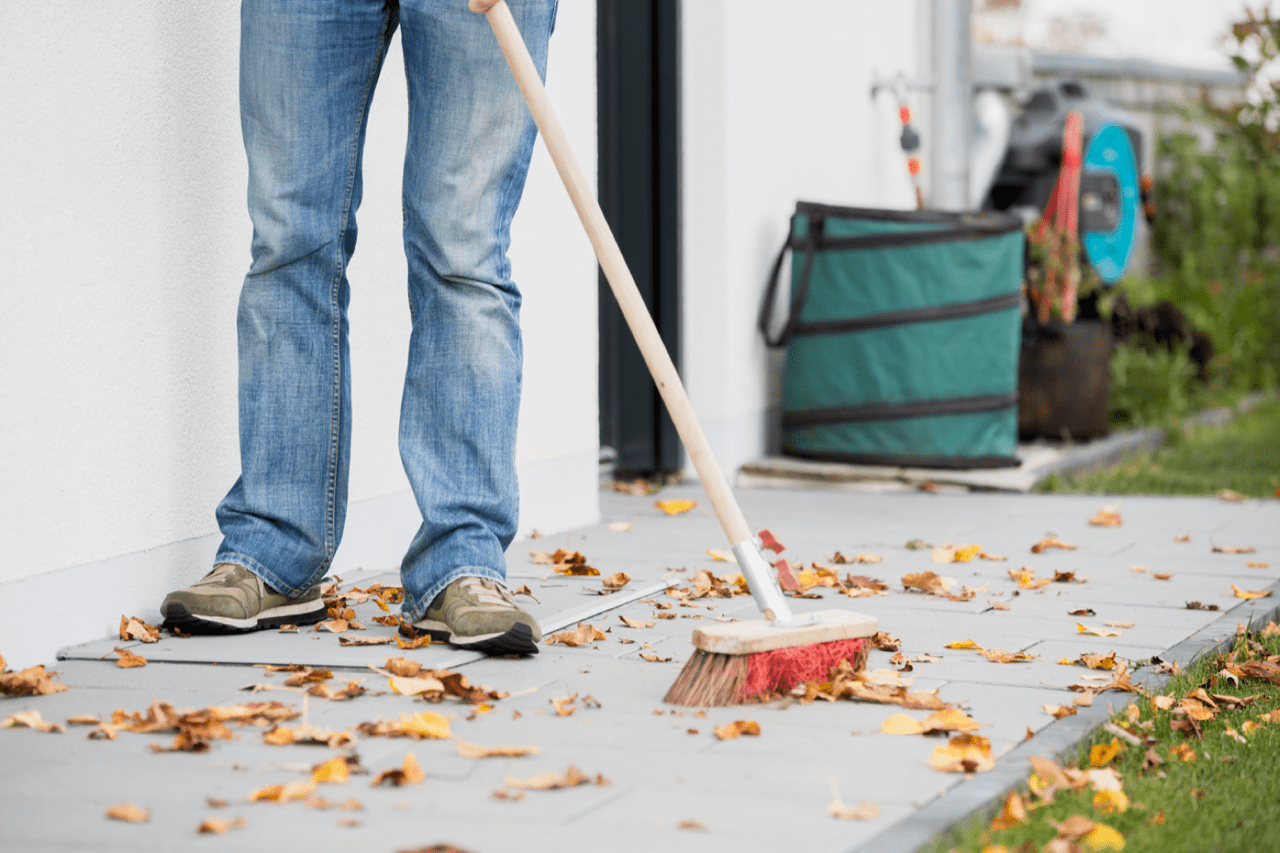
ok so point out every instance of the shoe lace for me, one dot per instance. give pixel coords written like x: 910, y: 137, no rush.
x: 488, y: 593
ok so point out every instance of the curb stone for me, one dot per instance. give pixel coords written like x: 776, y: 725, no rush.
x: 984, y: 794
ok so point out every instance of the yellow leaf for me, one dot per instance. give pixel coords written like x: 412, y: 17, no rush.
x: 721, y: 556
x: 1249, y: 593
x: 963, y: 754
x: 415, y: 686
x: 729, y: 731
x: 901, y: 724
x: 950, y: 720
x: 1110, y: 801
x: 1097, y: 632
x: 471, y: 750
x: 129, y: 812
x: 1102, y: 754
x: 967, y: 553
x: 412, y: 770
x: 962, y: 644
x: 426, y: 724
x: 675, y: 507
x: 334, y: 771
x: 1103, y: 837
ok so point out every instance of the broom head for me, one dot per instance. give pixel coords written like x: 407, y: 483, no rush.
x: 739, y: 662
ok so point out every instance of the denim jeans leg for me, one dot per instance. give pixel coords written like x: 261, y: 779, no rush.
x: 307, y: 73
x: 470, y: 141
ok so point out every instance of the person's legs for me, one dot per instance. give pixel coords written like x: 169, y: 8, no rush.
x: 470, y: 140
x: 307, y: 74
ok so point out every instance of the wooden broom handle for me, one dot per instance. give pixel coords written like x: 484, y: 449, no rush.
x: 615, y: 270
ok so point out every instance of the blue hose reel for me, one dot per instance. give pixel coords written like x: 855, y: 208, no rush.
x: 1109, y: 202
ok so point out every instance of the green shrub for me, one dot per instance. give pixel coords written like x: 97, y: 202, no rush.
x: 1152, y: 386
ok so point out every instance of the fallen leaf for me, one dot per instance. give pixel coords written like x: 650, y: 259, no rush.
x: 729, y: 731
x: 564, y: 705
x: 1051, y: 542
x: 129, y: 812
x: 1162, y: 576
x: 424, y: 725
x: 409, y: 773
x: 31, y: 720
x: 213, y: 826
x: 1228, y: 495
x: 415, y: 686
x: 1113, y: 624
x: 471, y: 750
x: 949, y: 720
x: 965, y: 753
x: 1087, y: 611
x: 619, y: 526
x: 1097, y: 632
x: 133, y: 628
x: 928, y: 582
x: 129, y: 660
x: 1106, y: 517
x: 652, y: 658
x: 1059, y: 711
x: 962, y: 644
x: 956, y: 553
x: 1102, y: 754
x: 582, y: 635
x: 1226, y: 549
x: 837, y: 809
x: 371, y: 641
x: 901, y: 724
x: 675, y: 507
x: 1013, y: 813
x: 722, y: 556
x: 574, y: 570
x: 334, y: 771
x: 1182, y: 752
x: 1249, y: 593
x: 691, y: 824
x: 284, y: 793
x: 570, y: 778
x: 1256, y: 565
x: 635, y: 623
x: 1102, y: 837
x: 617, y: 580
x: 1195, y: 605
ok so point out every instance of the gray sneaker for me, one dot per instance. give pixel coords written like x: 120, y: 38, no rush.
x: 232, y: 600
x: 478, y: 613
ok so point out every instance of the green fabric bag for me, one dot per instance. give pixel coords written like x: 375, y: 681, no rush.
x: 903, y: 336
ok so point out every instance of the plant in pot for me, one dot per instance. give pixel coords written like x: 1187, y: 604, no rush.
x: 1064, y: 371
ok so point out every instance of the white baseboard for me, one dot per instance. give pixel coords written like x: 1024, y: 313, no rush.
x: 82, y: 603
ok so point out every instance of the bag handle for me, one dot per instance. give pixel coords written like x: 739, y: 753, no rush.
x: 810, y: 244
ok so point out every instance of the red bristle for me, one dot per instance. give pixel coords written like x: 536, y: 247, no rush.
x: 780, y: 670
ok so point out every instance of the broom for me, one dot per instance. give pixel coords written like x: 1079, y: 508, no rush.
x: 734, y: 662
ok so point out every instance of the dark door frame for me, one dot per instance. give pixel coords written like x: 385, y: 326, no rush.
x: 639, y: 146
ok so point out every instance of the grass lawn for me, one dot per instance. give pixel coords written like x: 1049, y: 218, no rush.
x: 1243, y: 455
x: 1201, y: 777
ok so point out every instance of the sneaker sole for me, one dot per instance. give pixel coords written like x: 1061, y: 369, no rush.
x: 517, y: 640
x: 303, y: 613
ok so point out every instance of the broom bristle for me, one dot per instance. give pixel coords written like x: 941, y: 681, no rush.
x: 711, y: 679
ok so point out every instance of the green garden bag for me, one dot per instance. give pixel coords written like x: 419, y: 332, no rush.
x: 903, y: 336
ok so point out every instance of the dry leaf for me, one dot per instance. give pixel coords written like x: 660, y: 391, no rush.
x: 1162, y: 576
x: 675, y: 507
x: 722, y: 556
x: 410, y: 773
x: 619, y: 526
x: 129, y: 660
x: 901, y: 724
x: 617, y: 580
x: 652, y: 658
x: 962, y: 644
x: 1087, y: 611
x: 949, y: 720
x: 334, y: 771
x: 1051, y: 542
x: 1059, y: 711
x: 425, y: 725
x: 1013, y: 813
x: 1256, y: 565
x: 837, y: 809
x: 31, y: 720
x: 1097, y: 632
x: 928, y: 582
x: 1249, y: 593
x: 471, y: 750
x: 284, y: 793
x: 133, y: 628
x: 371, y: 641
x: 729, y: 731
x: 1228, y: 495
x: 582, y: 635
x: 212, y: 826
x: 1111, y: 623
x: 965, y: 753
x: 1226, y: 549
x: 691, y: 824
x: 998, y: 605
x: 1106, y: 517
x: 129, y: 812
x: 1102, y: 754
x: 564, y: 705
x: 635, y: 623
x: 570, y: 778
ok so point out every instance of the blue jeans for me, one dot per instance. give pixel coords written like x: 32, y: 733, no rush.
x: 307, y: 74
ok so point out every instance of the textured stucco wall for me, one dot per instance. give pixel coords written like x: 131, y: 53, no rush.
x: 125, y: 240
x: 777, y: 108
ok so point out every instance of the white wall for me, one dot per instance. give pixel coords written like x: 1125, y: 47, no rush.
x: 125, y: 240
x: 777, y: 108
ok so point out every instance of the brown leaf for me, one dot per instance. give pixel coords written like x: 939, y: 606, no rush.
x: 691, y: 824
x: 409, y: 773
x: 213, y: 826
x: 332, y: 626
x: 652, y: 658
x: 949, y: 720
x: 523, y: 589
x: 471, y: 750
x: 1162, y: 576
x: 1059, y: 711
x: 1234, y: 497
x: 617, y: 580
x: 129, y: 812
x: 837, y: 809
x: 1051, y: 542
x: 384, y: 640
x: 564, y: 705
x: 582, y: 635
x: 31, y: 720
x: 635, y: 623
x: 1226, y: 549
x: 133, y: 628
x: 885, y: 643
x: 1087, y: 611
x: 1001, y: 656
x: 729, y: 731
x: 424, y: 725
x: 927, y: 582
x: 289, y: 792
x: 417, y: 642
x: 1106, y: 517
x: 403, y: 667
x: 965, y: 753
x: 1013, y: 813
x: 570, y: 778
x: 129, y: 660
x: 308, y: 676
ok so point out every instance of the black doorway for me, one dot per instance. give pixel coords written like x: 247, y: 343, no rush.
x: 637, y: 72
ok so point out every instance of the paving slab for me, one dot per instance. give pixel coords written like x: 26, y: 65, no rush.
x: 663, y: 765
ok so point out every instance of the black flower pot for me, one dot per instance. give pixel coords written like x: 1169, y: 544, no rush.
x: 1064, y: 381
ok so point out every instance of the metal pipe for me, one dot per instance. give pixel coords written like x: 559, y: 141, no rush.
x: 952, y: 103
